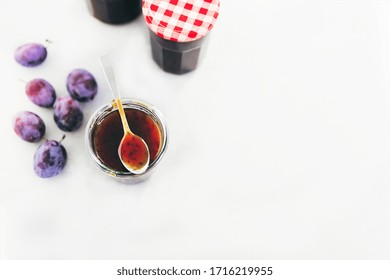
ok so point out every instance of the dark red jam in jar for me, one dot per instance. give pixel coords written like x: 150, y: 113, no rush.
x: 115, y: 11
x: 177, y: 29
x: 109, y: 132
x: 174, y: 57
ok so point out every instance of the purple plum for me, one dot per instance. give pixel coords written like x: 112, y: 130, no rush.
x: 41, y: 93
x: 29, y: 126
x: 81, y: 85
x: 67, y: 114
x: 49, y: 159
x: 31, y: 54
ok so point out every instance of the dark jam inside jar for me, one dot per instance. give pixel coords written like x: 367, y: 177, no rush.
x: 116, y: 11
x: 109, y: 132
x: 175, y: 57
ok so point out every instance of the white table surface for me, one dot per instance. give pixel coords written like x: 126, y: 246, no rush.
x: 279, y: 141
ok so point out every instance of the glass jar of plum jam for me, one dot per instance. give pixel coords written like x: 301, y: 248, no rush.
x: 104, y: 133
x: 177, y: 31
x: 115, y: 11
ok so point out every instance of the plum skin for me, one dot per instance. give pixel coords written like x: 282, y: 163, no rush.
x: 41, y: 93
x: 29, y: 126
x: 81, y: 85
x: 31, y: 54
x: 67, y: 114
x: 49, y: 159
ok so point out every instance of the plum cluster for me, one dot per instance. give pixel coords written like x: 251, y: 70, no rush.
x: 50, y: 157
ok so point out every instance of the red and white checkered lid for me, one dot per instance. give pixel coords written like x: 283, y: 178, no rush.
x: 180, y: 20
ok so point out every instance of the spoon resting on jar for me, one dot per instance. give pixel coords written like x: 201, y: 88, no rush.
x: 133, y: 151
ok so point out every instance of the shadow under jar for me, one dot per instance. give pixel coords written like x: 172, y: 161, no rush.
x: 115, y: 11
x: 178, y: 30
x: 104, y: 133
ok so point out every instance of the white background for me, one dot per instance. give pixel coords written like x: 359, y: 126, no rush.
x: 279, y: 141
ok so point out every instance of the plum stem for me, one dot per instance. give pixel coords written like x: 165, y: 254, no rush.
x: 22, y: 81
x: 48, y: 42
x: 62, y: 139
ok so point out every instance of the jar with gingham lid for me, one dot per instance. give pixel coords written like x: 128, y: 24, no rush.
x: 177, y: 31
